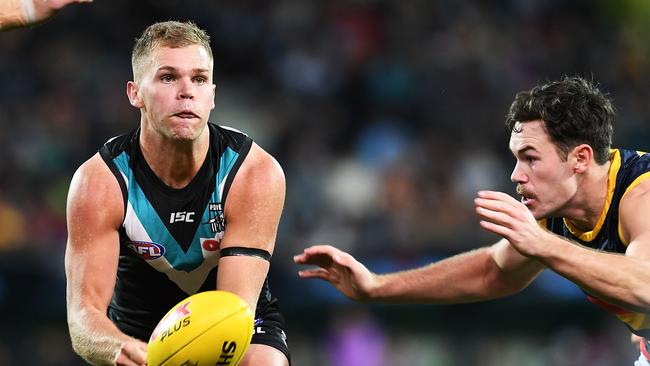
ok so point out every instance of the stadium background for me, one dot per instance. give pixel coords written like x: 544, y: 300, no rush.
x: 387, y: 118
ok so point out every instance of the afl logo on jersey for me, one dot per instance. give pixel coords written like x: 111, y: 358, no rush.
x: 146, y: 250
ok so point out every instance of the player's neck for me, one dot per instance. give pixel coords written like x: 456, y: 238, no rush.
x: 175, y: 162
x: 592, y: 200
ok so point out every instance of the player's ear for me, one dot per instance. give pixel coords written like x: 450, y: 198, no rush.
x: 582, y: 155
x: 214, y: 94
x: 132, y: 92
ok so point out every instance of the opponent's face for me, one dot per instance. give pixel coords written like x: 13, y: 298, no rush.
x: 175, y: 92
x: 544, y: 180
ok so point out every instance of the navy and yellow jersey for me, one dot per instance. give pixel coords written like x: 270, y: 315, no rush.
x: 169, y: 239
x: 628, y: 169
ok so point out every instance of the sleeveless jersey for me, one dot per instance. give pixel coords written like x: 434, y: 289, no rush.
x: 628, y: 169
x: 169, y: 239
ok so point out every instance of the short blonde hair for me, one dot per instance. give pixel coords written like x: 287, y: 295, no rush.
x: 166, y: 34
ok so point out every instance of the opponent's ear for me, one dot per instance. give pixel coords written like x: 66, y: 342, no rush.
x: 582, y: 156
x: 132, y: 91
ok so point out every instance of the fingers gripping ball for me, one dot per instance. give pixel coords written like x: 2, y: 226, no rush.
x: 208, y: 328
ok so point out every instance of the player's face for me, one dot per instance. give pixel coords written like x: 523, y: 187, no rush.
x: 176, y: 91
x: 544, y: 180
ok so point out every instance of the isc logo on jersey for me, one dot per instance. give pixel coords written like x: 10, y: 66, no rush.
x: 181, y: 216
x: 147, y: 250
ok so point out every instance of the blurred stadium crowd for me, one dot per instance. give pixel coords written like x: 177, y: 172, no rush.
x: 387, y: 118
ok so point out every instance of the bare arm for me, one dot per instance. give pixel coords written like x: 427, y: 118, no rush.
x: 622, y: 280
x: 94, y: 214
x: 252, y: 214
x: 19, y: 13
x: 481, y: 274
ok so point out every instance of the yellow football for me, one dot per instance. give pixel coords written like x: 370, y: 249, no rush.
x: 208, y: 328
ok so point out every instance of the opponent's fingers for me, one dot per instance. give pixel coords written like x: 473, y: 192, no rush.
x: 495, y: 195
x: 320, y: 259
x: 496, y: 217
x: 500, y: 230
x: 498, y: 196
x: 322, y: 255
x: 492, y: 205
x: 322, y: 249
x: 316, y: 273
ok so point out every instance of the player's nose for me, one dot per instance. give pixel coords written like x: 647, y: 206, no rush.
x: 186, y: 89
x: 518, y: 175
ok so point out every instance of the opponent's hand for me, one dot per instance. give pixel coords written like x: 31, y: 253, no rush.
x: 511, y: 219
x: 340, y: 269
x: 132, y: 353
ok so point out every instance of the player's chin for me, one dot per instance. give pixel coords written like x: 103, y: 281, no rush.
x: 185, y: 133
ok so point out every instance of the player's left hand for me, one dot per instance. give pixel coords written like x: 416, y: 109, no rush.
x: 505, y: 216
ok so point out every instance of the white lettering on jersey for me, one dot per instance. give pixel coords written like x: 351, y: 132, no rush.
x: 182, y: 216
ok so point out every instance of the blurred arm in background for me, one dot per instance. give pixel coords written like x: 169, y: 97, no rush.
x: 21, y: 13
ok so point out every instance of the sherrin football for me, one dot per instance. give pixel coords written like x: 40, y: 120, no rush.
x: 208, y: 328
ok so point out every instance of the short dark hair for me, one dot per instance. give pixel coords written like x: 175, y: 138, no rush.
x: 574, y: 112
x: 167, y: 34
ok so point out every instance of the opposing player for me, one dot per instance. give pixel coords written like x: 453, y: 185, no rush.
x: 174, y: 207
x: 20, y: 13
x: 583, y: 213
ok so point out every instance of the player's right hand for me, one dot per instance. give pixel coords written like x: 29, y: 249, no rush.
x: 340, y: 269
x: 132, y: 353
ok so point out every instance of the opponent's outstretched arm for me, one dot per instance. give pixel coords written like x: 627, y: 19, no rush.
x: 94, y: 212
x: 482, y: 274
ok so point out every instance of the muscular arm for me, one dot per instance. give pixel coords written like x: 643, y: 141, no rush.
x: 252, y: 213
x: 94, y: 213
x: 481, y: 274
x: 622, y: 280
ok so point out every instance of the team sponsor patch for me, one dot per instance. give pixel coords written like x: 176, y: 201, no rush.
x: 146, y: 250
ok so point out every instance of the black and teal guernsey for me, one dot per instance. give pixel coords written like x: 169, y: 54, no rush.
x: 628, y: 169
x: 169, y: 240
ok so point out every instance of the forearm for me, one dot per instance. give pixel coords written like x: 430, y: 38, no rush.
x: 468, y: 277
x: 618, y: 279
x: 12, y: 13
x: 243, y: 276
x: 94, y: 337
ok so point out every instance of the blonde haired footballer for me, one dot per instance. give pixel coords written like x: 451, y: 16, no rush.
x: 174, y: 207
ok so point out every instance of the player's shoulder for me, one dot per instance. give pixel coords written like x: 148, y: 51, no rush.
x: 93, y: 185
x: 93, y: 168
x: 260, y: 176
x: 262, y: 164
